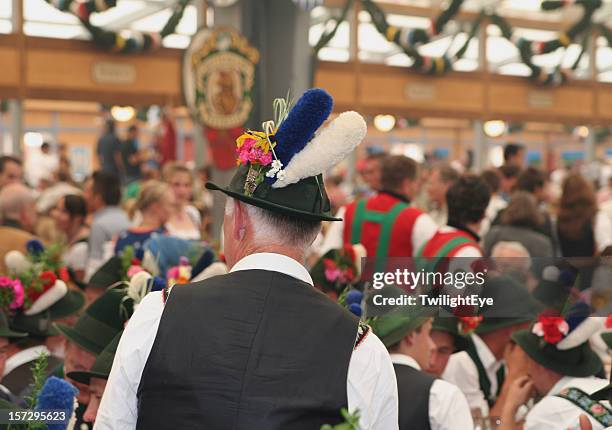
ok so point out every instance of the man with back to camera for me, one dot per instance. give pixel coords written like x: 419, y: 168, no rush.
x: 385, y: 224
x: 514, y: 154
x: 259, y: 348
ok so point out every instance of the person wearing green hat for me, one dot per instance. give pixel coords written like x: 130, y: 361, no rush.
x: 447, y: 340
x: 259, y: 347
x: 560, y: 372
x: 482, y: 371
x: 425, y: 402
x: 6, y: 335
x: 97, y: 377
x: 93, y: 331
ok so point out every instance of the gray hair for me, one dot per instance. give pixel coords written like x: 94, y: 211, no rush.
x: 13, y: 199
x: 279, y: 228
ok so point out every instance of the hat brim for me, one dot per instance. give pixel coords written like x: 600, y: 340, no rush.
x: 274, y: 207
x: 589, y: 364
x: 491, y: 324
x: 85, y: 377
x: 74, y: 336
x: 7, y: 332
x: 69, y: 305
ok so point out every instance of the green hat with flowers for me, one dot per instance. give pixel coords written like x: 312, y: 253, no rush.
x: 560, y: 342
x: 280, y: 167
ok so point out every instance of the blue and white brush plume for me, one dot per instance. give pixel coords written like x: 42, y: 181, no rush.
x: 58, y: 395
x: 329, y: 147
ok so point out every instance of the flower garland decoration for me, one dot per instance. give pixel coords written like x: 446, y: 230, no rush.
x: 126, y: 41
x: 409, y: 40
x: 256, y: 148
x: 551, y: 328
x: 468, y: 324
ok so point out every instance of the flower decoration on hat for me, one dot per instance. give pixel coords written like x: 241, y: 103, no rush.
x: 552, y: 328
x: 179, y: 274
x: 39, y: 278
x: 567, y: 331
x: 339, y: 269
x: 468, y: 324
x: 11, y: 293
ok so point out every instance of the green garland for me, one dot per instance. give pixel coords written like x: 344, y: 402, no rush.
x: 409, y: 40
x: 125, y: 42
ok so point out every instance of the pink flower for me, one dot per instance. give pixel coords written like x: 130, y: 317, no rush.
x: 172, y: 273
x: 19, y: 295
x: 266, y: 159
x: 332, y: 274
x: 133, y: 270
x: 5, y: 282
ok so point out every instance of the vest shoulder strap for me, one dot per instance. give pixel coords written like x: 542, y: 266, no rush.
x: 595, y: 409
x: 443, y: 251
x: 386, y: 221
x: 483, y: 378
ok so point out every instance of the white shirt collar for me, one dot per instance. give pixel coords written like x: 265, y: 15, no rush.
x: 486, y: 356
x: 560, y: 385
x: 274, y: 262
x: 405, y: 360
x: 23, y: 357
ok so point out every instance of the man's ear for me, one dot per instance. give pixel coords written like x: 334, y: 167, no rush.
x: 240, y: 220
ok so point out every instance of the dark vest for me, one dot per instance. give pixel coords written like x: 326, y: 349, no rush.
x: 252, y: 349
x: 413, y: 389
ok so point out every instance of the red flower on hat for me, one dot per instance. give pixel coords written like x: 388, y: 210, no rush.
x: 63, y: 273
x: 48, y: 278
x: 552, y: 328
x: 468, y: 324
x: 608, y: 322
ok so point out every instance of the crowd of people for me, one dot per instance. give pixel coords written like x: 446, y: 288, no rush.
x: 255, y: 349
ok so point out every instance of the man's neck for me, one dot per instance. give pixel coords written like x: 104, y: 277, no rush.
x: 397, y: 194
x: 495, y: 345
x: 270, y: 248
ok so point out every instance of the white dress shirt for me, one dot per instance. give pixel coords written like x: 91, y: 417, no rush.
x: 554, y: 413
x: 423, y: 230
x: 462, y: 372
x: 371, y: 384
x: 448, y: 407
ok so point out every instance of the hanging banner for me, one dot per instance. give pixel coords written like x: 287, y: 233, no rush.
x: 218, y: 79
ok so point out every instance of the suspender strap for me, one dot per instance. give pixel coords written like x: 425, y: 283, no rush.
x: 358, y: 219
x: 386, y: 221
x: 597, y: 410
x: 483, y: 378
x: 444, y: 251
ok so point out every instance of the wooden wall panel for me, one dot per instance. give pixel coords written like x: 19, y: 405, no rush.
x: 526, y: 99
x: 604, y: 104
x: 340, y: 83
x: 72, y: 72
x: 9, y: 67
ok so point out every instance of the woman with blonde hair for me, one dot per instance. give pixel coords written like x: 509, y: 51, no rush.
x: 154, y: 204
x: 185, y: 220
x: 583, y: 230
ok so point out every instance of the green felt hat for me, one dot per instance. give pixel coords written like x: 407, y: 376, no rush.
x: 580, y: 361
x: 281, y: 167
x: 108, y: 274
x: 347, y: 259
x: 398, y: 321
x: 102, y: 366
x: 5, y: 330
x: 450, y: 324
x: 512, y: 304
x: 68, y: 305
x: 100, y: 322
x: 306, y: 199
x: 40, y: 324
